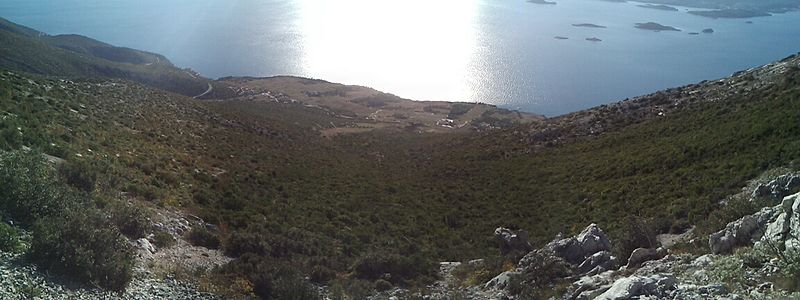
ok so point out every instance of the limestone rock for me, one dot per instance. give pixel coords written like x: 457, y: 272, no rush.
x: 778, y: 188
x: 742, y: 232
x: 641, y: 255
x: 656, y: 285
x: 602, y: 260
x: 500, y: 281
x: 512, y: 241
x: 576, y: 249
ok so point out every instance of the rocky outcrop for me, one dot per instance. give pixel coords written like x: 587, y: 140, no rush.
x: 785, y: 228
x: 510, y: 240
x: 744, y: 231
x: 779, y: 187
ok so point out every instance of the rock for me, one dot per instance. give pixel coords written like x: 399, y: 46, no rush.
x: 144, y: 248
x: 576, y: 249
x: 781, y: 227
x: 512, y: 241
x: 742, y: 232
x: 779, y: 187
x: 501, y: 281
x: 641, y: 255
x: 589, y: 287
x: 703, y: 261
x: 602, y: 260
x: 628, y: 287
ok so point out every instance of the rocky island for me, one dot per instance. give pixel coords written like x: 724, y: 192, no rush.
x: 655, y: 27
x: 588, y: 25
x: 658, y: 7
x: 729, y: 13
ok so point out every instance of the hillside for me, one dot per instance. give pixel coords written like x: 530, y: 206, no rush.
x: 29, y: 50
x: 270, y: 183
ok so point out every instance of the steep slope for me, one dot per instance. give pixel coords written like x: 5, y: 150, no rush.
x: 28, y: 50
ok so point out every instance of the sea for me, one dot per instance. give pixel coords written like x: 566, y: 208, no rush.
x: 502, y: 52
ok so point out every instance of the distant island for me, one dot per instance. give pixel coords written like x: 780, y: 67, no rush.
x: 558, y: 37
x: 594, y: 39
x: 541, y: 2
x: 708, y: 30
x: 588, y: 25
x: 658, y: 7
x: 653, y: 26
x: 729, y: 13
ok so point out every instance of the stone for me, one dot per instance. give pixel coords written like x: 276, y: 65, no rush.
x: 576, y: 249
x: 703, y: 261
x: 641, y: 255
x: 501, y: 281
x: 510, y: 240
x: 628, y: 287
x: 779, y: 187
x: 602, y: 260
x: 742, y: 232
x: 589, y: 287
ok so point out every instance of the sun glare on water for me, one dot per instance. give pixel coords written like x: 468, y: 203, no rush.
x: 428, y: 43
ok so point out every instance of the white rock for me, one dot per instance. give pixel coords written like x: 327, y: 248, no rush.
x: 626, y: 288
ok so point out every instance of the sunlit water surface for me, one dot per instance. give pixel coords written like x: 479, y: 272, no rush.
x: 494, y: 51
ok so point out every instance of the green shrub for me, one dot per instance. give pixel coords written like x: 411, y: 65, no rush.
x: 84, y: 246
x: 28, y: 189
x: 9, y: 238
x: 398, y: 269
x: 203, y: 237
x: 382, y: 285
x: 241, y: 242
x: 321, y: 274
x: 271, y: 279
x: 131, y: 220
x: 543, y: 272
x: 163, y: 239
x: 79, y: 174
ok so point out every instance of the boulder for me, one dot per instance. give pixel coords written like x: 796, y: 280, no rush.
x: 598, y: 262
x: 744, y: 231
x: 501, y: 281
x: 779, y: 187
x: 785, y: 228
x: 512, y: 241
x: 144, y: 248
x: 589, y: 287
x: 657, y: 285
x: 641, y: 255
x: 576, y: 249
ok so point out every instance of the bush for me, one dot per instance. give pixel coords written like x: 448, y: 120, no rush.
x: 131, y: 220
x: 241, y: 242
x: 9, y: 238
x: 28, y: 189
x: 203, y: 237
x: 163, y: 239
x: 543, y: 271
x: 79, y: 174
x: 321, y: 274
x: 84, y: 246
x: 271, y: 279
x: 395, y: 268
